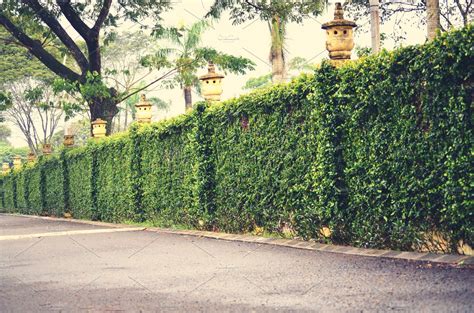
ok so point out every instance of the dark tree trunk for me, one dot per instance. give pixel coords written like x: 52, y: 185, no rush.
x: 188, y: 100
x: 105, y: 109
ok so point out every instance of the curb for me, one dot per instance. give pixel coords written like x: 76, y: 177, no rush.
x: 452, y: 259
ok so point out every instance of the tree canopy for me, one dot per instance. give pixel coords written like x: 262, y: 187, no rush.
x: 35, y: 25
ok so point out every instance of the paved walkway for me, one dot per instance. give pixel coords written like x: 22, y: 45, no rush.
x: 99, y: 269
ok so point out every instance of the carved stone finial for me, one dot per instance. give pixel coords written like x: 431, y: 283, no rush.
x: 339, y: 12
x: 211, y: 68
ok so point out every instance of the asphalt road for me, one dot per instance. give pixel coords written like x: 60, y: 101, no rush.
x: 112, y: 270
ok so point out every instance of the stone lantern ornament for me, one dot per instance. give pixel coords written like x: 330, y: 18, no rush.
x: 211, y: 84
x: 5, y: 167
x: 143, y: 112
x: 31, y: 157
x: 47, y: 149
x: 17, y: 162
x: 340, y: 37
x: 68, y: 141
x: 99, y: 128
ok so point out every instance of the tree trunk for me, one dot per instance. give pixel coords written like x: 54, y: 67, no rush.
x: 105, y: 109
x: 375, y: 25
x: 432, y: 18
x: 126, y: 117
x: 188, y: 100
x: 277, y: 57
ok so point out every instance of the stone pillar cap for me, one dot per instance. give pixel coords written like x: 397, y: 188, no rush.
x: 211, y: 73
x: 143, y: 102
x: 338, y: 18
x: 99, y: 121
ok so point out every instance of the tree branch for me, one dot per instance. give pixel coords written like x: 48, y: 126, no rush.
x: 74, y: 18
x: 102, y: 15
x: 38, y: 51
x: 54, y: 25
x: 145, y: 87
x: 256, y: 7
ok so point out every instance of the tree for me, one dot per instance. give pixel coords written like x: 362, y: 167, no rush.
x: 297, y: 65
x: 128, y: 108
x: 7, y: 152
x: 432, y: 18
x: 5, y: 103
x: 37, y: 111
x: 32, y: 24
x: 122, y: 57
x: 5, y: 132
x: 80, y: 129
x: 452, y: 13
x: 188, y: 56
x: 17, y: 63
x: 277, y: 14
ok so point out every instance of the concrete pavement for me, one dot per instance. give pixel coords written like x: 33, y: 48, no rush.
x: 86, y: 268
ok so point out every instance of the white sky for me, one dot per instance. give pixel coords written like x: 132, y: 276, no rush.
x: 250, y: 40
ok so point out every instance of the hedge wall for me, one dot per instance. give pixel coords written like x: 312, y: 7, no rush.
x: 112, y: 176
x: 379, y: 151
x: 79, y: 166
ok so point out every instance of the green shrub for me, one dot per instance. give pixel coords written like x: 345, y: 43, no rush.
x: 52, y: 167
x: 262, y: 145
x: 21, y: 191
x: 33, y: 195
x: 9, y: 192
x: 379, y: 151
x: 113, y: 180
x: 166, y: 176
x: 79, y: 165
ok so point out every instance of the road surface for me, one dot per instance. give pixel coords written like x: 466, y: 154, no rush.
x: 75, y: 267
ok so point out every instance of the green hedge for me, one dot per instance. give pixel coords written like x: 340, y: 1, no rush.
x: 112, y: 173
x: 52, y: 172
x: 33, y: 191
x: 379, y: 151
x: 262, y: 148
x: 79, y: 165
x: 166, y: 174
x: 9, y: 192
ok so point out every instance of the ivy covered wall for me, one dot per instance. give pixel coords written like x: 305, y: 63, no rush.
x: 379, y: 151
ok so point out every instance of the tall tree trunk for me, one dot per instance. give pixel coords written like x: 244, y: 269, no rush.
x: 277, y: 56
x: 375, y: 25
x: 432, y: 18
x: 126, y: 117
x: 188, y: 100
x: 105, y: 109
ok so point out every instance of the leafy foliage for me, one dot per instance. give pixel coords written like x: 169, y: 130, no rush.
x: 290, y: 11
x: 379, y: 151
x: 187, y: 56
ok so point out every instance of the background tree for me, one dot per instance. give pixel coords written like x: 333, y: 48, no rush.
x: 128, y: 110
x: 277, y: 14
x: 81, y: 130
x: 296, y: 66
x: 122, y: 55
x: 32, y: 24
x: 5, y: 103
x: 7, y: 152
x: 187, y: 55
x: 37, y: 111
x: 432, y: 18
x: 5, y: 132
x: 452, y: 13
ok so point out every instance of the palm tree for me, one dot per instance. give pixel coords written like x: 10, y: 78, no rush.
x: 277, y: 14
x: 432, y: 17
x: 187, y: 56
